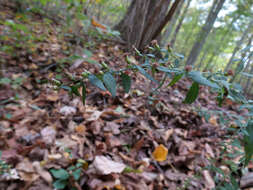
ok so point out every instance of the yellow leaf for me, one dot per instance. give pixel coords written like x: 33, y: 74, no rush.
x: 96, y: 24
x: 160, y: 153
x: 119, y: 187
x: 80, y: 129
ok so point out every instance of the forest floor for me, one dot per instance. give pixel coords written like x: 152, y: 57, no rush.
x: 110, y: 141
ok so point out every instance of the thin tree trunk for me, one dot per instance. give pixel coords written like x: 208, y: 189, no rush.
x: 208, y: 46
x: 171, y: 24
x: 246, y: 69
x: 180, y: 22
x: 217, y: 50
x: 238, y: 45
x: 203, y: 58
x: 212, y: 15
x: 166, y: 19
x: 243, y: 56
x: 248, y: 87
x: 187, y: 39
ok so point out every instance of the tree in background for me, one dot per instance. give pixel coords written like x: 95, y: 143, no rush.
x: 145, y: 20
x: 167, y: 33
x: 180, y: 22
x: 238, y: 44
x: 213, y: 13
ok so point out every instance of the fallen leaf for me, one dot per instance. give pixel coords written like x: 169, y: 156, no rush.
x: 67, y: 110
x: 160, y: 153
x: 65, y: 142
x: 80, y: 129
x: 96, y: 24
x: 213, y: 120
x: 209, y: 180
x: 48, y: 135
x: 43, y: 173
x: 106, y: 166
x: 94, y: 116
x: 209, y: 150
x: 54, y: 156
x: 112, y: 127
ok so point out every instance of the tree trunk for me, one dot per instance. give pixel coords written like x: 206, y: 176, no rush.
x: 212, y: 15
x: 203, y: 57
x: 243, y: 55
x: 144, y: 21
x: 238, y: 45
x: 207, y: 49
x: 180, y: 22
x: 171, y: 25
x: 217, y: 50
x: 248, y: 87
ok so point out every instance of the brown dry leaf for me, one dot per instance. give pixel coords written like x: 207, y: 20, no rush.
x: 67, y: 110
x: 160, y: 153
x: 94, y: 116
x: 213, y: 120
x: 43, y: 173
x: 48, y: 135
x: 209, y: 150
x: 65, y: 142
x: 26, y: 171
x: 168, y: 134
x: 138, y: 145
x: 111, y: 141
x: 52, y: 97
x: 209, y: 180
x: 112, y: 127
x: 54, y: 156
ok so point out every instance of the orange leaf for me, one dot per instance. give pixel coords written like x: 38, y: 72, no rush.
x: 213, y: 121
x: 160, y: 153
x: 96, y: 24
x: 80, y: 129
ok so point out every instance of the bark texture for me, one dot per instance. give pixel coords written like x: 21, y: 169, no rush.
x: 138, y: 18
x: 144, y: 21
x: 212, y: 15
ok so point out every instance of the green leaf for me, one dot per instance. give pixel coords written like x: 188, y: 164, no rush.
x: 77, y: 174
x: 248, y: 142
x: 60, y: 184
x: 60, y: 174
x: 247, y: 74
x: 83, y: 93
x: 196, y: 76
x: 148, y: 76
x: 175, y: 79
x: 74, y: 89
x: 110, y: 83
x: 5, y: 81
x: 87, y: 53
x: 96, y: 82
x: 126, y: 82
x: 167, y: 70
x: 192, y: 93
x: 66, y: 88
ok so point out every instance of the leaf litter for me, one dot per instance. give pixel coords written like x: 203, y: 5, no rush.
x: 125, y: 143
